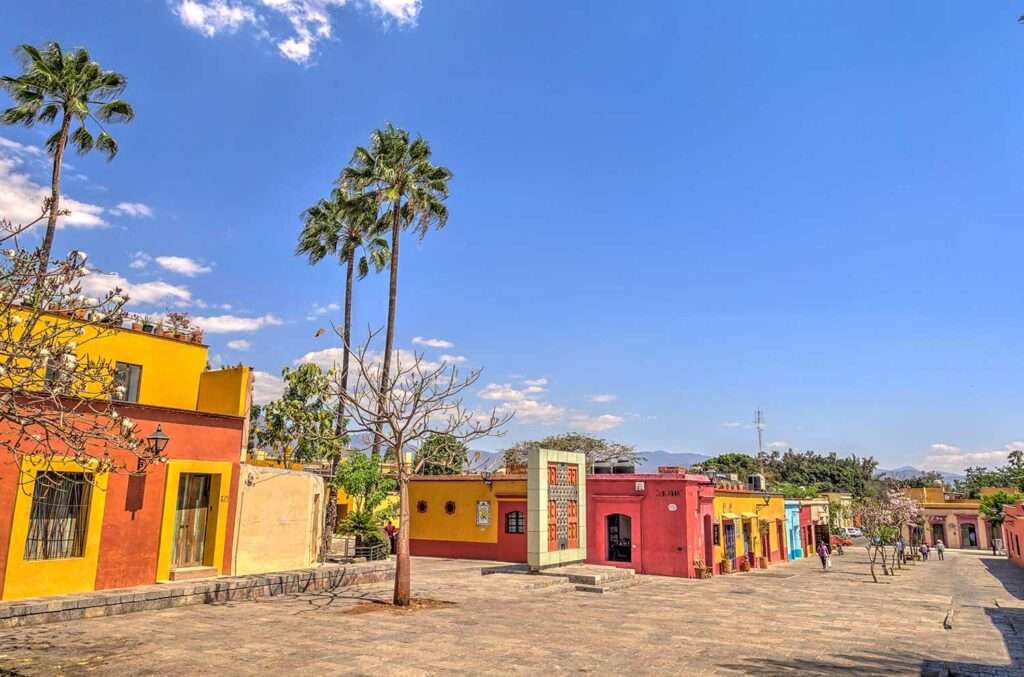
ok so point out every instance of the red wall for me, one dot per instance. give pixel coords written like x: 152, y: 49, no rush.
x: 665, y: 542
x: 130, y: 536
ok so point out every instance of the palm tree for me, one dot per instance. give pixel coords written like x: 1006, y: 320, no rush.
x: 344, y: 226
x: 396, y: 175
x: 72, y: 87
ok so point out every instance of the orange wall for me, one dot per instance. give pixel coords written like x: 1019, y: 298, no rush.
x: 131, y: 524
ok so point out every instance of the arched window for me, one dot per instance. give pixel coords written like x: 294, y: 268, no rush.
x: 515, y: 523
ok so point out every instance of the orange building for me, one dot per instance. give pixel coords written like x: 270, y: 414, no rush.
x: 65, y: 528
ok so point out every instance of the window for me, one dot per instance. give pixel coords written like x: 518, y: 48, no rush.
x: 128, y: 376
x: 449, y: 507
x: 716, y: 532
x: 421, y: 506
x: 514, y: 523
x: 59, y: 516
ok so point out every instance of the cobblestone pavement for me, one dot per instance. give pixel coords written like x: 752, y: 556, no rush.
x: 792, y: 619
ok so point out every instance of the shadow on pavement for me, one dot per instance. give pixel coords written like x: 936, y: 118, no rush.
x: 1008, y: 573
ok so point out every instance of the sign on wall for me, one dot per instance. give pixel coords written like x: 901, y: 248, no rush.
x: 483, y: 513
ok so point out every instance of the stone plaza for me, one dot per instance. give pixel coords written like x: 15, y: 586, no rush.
x: 961, y: 616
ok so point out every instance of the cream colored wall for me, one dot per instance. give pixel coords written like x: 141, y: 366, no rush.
x: 280, y: 518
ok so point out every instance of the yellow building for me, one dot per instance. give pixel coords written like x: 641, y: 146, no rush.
x: 471, y: 516
x: 749, y: 527
x: 953, y: 519
x: 171, y: 520
x: 840, y: 508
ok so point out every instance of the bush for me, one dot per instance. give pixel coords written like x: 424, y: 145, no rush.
x: 365, y: 526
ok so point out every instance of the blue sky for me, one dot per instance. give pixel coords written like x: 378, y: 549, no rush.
x: 664, y: 215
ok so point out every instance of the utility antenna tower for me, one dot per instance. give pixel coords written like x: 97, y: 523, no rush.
x: 759, y: 424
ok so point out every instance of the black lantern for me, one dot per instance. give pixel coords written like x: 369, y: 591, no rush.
x: 155, y: 445
x: 157, y: 442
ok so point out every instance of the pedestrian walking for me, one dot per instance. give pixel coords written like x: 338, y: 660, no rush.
x: 392, y: 532
x: 924, y: 552
x: 940, y: 548
x: 995, y: 550
x: 900, y: 551
x: 823, y: 553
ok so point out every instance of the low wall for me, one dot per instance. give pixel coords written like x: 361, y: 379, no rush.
x: 40, y: 610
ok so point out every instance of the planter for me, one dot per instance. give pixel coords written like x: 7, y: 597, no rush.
x: 197, y: 337
x: 726, y: 566
x: 762, y: 562
x: 744, y: 565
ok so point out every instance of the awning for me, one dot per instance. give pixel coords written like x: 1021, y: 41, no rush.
x: 730, y: 516
x: 749, y: 515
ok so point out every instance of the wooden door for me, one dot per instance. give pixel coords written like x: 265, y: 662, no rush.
x: 190, y: 519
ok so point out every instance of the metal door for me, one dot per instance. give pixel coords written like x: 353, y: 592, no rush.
x: 730, y: 542
x: 190, y: 519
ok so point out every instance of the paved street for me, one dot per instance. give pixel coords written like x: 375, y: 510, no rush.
x: 791, y: 619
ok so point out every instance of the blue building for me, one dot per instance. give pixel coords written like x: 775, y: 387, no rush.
x: 795, y: 549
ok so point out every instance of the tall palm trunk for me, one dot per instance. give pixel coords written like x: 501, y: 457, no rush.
x: 51, y: 221
x: 389, y: 339
x: 331, y: 512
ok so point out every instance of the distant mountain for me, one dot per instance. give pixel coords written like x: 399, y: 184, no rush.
x: 659, y: 457
x: 909, y: 472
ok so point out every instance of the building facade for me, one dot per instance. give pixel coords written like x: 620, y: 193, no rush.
x: 749, y: 526
x: 814, y: 527
x: 953, y: 519
x: 65, y: 528
x: 1013, y: 532
x: 794, y: 546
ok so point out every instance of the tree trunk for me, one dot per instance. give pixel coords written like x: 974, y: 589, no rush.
x: 389, y: 339
x: 346, y: 337
x: 51, y: 221
x: 873, y: 551
x: 330, y: 515
x: 403, y: 581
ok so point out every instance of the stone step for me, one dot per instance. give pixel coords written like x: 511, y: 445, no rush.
x: 612, y: 586
x: 601, y: 578
x: 193, y: 573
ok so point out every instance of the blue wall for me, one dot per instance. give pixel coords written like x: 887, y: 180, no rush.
x: 796, y: 550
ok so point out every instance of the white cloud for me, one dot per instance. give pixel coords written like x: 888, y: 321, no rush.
x: 140, y: 260
x: 453, y: 359
x: 502, y: 391
x: 20, y: 148
x: 432, y: 342
x: 603, y: 398
x: 97, y: 284
x: 214, y: 16
x: 226, y: 324
x: 781, y: 444
x: 533, y: 411
x: 182, y: 265
x: 951, y: 457
x: 536, y: 382
x: 595, y: 424
x: 21, y: 198
x: 266, y: 387
x: 136, y: 209
x: 310, y: 21
x: 319, y: 310
x: 239, y: 344
x: 328, y: 358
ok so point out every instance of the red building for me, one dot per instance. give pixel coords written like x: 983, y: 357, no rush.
x: 1013, y: 532
x: 657, y: 524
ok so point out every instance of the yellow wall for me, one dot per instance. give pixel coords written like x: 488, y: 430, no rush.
x: 279, y: 520
x: 32, y: 578
x: 224, y: 391
x: 739, y: 503
x: 216, y: 530
x: 437, y: 525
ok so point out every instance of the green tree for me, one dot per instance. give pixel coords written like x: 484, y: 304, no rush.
x: 362, y: 478
x: 743, y: 465
x: 992, y: 506
x: 441, y: 454
x: 396, y: 175
x: 596, y: 449
x: 979, y: 477
x: 795, y: 491
x: 76, y: 89
x: 299, y: 426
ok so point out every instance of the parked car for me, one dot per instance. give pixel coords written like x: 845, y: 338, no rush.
x: 851, y: 532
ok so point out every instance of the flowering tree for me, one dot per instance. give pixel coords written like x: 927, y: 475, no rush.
x: 54, y: 403
x: 882, y: 519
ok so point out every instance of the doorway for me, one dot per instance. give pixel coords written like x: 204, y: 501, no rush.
x: 619, y: 530
x: 968, y: 535
x: 191, y: 517
x: 730, y: 542
x: 747, y: 542
x: 709, y: 541
x: 938, y: 532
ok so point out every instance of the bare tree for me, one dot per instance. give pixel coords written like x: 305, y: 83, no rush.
x: 55, y: 400
x: 416, y: 400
